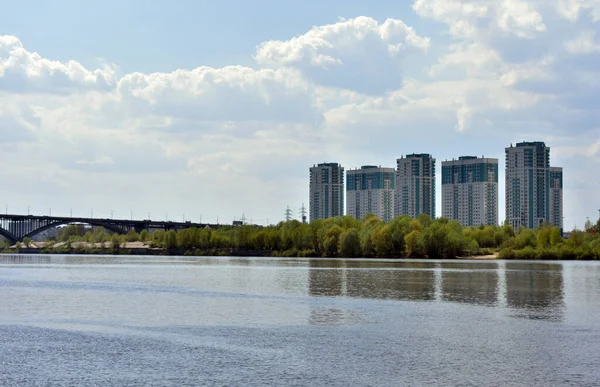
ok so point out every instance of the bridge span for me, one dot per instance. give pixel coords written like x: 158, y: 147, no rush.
x: 15, y: 228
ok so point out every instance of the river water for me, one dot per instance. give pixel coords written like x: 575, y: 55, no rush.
x: 176, y: 321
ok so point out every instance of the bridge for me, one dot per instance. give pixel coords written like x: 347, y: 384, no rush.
x: 15, y: 228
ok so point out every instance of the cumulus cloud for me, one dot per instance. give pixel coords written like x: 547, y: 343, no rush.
x: 233, y: 93
x: 572, y: 9
x: 355, y: 91
x: 359, y: 54
x: 471, y: 18
x: 585, y: 43
x: 24, y: 71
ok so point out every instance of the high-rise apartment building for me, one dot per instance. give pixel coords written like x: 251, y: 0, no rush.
x: 370, y: 189
x: 415, y: 185
x: 326, y: 191
x: 470, y: 190
x: 533, y: 188
x: 556, y: 197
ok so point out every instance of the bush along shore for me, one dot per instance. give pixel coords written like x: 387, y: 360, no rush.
x: 341, y: 237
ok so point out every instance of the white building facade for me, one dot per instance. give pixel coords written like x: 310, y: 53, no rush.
x: 370, y: 189
x: 415, y: 185
x: 326, y: 191
x: 533, y: 188
x: 470, y: 190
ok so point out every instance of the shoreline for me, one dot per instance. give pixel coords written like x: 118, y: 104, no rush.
x: 142, y: 248
x: 481, y: 257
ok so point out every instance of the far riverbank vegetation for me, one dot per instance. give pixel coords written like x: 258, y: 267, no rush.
x: 341, y: 237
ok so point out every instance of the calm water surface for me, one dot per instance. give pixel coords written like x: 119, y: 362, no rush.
x: 175, y: 321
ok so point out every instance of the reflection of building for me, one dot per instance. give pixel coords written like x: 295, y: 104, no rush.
x: 326, y: 278
x: 415, y: 185
x: 533, y: 188
x: 370, y: 190
x: 478, y: 287
x: 470, y: 190
x: 524, y: 290
x: 326, y: 191
x: 338, y: 279
x: 536, y: 289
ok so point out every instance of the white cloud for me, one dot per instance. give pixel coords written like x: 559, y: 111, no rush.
x: 519, y: 17
x: 359, y: 54
x: 355, y: 91
x: 101, y: 160
x: 208, y: 94
x: 24, y: 71
x: 585, y: 43
x: 461, y: 16
x: 572, y: 9
x: 475, y: 18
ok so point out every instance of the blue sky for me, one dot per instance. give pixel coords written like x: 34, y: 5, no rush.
x: 156, y: 35
x: 201, y: 108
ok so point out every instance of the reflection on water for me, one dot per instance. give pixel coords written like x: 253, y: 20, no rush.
x: 109, y: 320
x: 19, y: 259
x: 535, y: 290
x: 372, y: 279
x: 532, y: 290
x: 470, y: 286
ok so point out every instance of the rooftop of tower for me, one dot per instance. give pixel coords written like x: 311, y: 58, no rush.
x: 419, y: 155
x: 531, y: 143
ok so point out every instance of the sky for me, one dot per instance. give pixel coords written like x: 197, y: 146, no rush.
x: 216, y: 110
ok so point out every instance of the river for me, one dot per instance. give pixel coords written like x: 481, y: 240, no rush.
x: 179, y: 321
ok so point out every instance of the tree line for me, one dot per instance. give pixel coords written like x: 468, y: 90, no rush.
x: 370, y: 237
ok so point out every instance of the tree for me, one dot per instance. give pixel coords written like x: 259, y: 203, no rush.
x: 350, y: 244
x: 456, y: 243
x: 115, y: 243
x: 381, y: 238
x: 424, y: 219
x: 555, y: 237
x: 131, y: 236
x: 399, y: 227
x: 543, y: 237
x: 27, y: 242
x: 144, y: 235
x: 414, y: 247
x: 171, y: 240
x: 331, y: 241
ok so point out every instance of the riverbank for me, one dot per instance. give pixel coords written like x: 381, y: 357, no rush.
x: 146, y: 248
x: 482, y: 257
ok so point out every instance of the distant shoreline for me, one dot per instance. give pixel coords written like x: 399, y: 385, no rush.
x: 142, y: 248
x: 481, y: 257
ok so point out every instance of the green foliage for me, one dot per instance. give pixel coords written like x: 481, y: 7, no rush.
x: 331, y: 241
x: 170, y: 241
x: 132, y: 236
x: 350, y: 244
x: 71, y: 231
x: 115, y: 243
x: 414, y: 245
x: 349, y: 237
